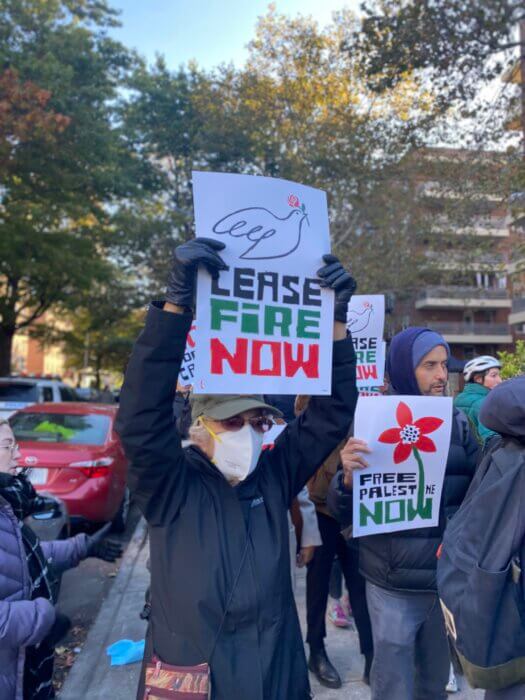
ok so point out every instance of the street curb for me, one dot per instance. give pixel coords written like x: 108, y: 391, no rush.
x: 93, y: 654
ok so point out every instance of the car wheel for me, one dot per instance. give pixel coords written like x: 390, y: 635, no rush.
x: 120, y: 520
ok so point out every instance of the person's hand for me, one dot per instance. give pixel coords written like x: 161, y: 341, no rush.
x: 352, y: 459
x: 99, y: 547
x: 334, y: 276
x: 188, y: 256
x: 61, y: 627
x: 305, y: 556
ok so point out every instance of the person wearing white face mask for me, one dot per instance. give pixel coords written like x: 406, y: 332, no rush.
x: 230, y: 430
x: 221, y: 592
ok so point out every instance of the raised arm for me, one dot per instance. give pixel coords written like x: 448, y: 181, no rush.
x: 308, y: 441
x: 158, y: 472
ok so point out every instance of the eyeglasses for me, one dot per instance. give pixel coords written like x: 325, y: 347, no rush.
x: 13, y: 447
x: 261, y: 424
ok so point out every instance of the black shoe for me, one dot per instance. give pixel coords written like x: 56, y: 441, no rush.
x: 319, y: 664
x: 368, y: 665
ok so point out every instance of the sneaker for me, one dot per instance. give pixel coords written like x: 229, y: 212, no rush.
x: 337, y: 616
x: 452, y: 685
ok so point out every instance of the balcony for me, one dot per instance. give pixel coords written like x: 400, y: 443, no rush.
x: 434, y: 189
x: 494, y: 227
x: 472, y: 333
x: 517, y: 317
x: 454, y: 297
x: 451, y: 260
x: 517, y: 265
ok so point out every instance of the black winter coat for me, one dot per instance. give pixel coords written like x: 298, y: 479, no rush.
x: 406, y: 560
x: 198, y: 524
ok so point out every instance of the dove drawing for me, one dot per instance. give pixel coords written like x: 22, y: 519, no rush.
x: 357, y: 321
x: 268, y: 236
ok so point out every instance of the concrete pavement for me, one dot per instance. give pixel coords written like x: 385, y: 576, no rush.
x: 92, y: 678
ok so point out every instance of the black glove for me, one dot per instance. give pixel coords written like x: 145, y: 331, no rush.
x: 334, y: 276
x: 187, y: 258
x: 60, y: 628
x: 98, y: 547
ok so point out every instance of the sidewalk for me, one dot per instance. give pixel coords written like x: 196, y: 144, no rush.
x: 92, y: 678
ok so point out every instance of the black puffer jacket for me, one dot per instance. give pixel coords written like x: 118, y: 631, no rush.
x: 406, y: 560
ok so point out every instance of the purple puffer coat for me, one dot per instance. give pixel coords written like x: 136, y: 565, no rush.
x: 25, y: 622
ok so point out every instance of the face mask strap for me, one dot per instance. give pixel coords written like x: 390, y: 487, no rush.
x: 210, y: 431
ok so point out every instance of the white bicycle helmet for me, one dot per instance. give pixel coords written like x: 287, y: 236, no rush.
x: 480, y: 364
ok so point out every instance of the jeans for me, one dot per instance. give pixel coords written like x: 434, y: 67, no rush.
x: 411, y: 656
x: 318, y: 580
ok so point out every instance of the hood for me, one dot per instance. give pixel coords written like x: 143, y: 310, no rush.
x: 504, y: 408
x: 400, y: 361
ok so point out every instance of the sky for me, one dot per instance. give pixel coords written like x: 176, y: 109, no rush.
x: 209, y: 31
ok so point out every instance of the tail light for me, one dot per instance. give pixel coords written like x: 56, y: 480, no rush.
x: 94, y: 468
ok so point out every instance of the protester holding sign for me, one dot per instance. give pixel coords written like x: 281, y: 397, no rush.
x: 411, y: 656
x: 217, y: 510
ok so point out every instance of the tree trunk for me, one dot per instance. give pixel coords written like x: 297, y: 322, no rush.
x: 98, y: 364
x: 6, y: 346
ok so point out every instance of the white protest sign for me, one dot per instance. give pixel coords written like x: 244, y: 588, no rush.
x: 265, y: 326
x: 366, y: 321
x: 409, y: 437
x: 187, y: 368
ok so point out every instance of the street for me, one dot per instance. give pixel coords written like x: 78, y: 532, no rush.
x: 83, y: 591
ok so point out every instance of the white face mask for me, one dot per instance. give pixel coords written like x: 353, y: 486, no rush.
x: 236, y: 453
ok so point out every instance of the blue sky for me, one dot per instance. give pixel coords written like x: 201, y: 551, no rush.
x: 209, y: 31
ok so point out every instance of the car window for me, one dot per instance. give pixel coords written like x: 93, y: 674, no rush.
x: 61, y: 427
x: 47, y: 393
x: 66, y: 394
x: 18, y: 391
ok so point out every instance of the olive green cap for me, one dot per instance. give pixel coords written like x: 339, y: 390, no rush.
x: 222, y: 406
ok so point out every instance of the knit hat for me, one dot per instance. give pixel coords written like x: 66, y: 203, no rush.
x: 406, y: 351
x: 424, y: 343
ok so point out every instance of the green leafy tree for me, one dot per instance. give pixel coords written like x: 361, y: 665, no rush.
x: 62, y: 188
x: 100, y: 333
x: 513, y: 362
x: 456, y: 47
x: 300, y: 110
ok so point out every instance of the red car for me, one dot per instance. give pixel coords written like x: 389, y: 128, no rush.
x: 75, y: 454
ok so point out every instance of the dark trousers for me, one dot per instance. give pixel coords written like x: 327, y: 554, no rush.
x: 318, y: 581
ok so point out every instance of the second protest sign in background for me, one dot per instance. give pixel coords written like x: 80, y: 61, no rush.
x: 409, y: 439
x: 265, y: 326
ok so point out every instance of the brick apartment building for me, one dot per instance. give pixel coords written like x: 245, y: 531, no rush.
x: 516, y: 267
x: 466, y: 294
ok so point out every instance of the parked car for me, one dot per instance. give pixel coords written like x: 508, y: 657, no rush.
x: 75, y: 454
x: 19, y: 392
x: 96, y: 395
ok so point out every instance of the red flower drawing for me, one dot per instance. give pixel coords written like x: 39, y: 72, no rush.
x: 411, y: 434
x: 293, y: 201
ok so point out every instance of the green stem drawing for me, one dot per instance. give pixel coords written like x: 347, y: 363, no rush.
x: 421, y: 485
